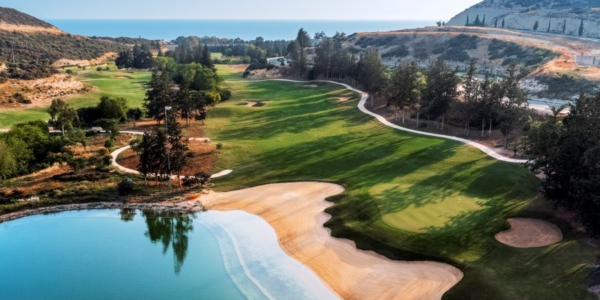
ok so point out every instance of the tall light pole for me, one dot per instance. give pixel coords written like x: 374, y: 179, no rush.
x: 167, y: 108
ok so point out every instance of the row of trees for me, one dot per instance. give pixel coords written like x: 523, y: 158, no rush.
x: 140, y: 57
x: 567, y: 152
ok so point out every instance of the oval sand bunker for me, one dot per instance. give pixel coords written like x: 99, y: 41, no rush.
x: 529, y: 233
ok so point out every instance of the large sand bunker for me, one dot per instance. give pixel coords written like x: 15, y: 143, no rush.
x: 529, y: 233
x: 296, y: 212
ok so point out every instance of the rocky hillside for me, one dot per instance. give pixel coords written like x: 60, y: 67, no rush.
x: 15, y: 17
x: 565, y: 17
x: 29, y: 47
x: 493, y: 55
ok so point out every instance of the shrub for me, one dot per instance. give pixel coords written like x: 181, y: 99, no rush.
x: 109, y: 143
x: 219, y: 146
x: 99, y: 69
x: 456, y: 54
x: 225, y: 94
x: 69, y: 71
x: 125, y: 187
x: 72, y: 176
x: 200, y: 178
x: 246, y: 74
x: 400, y: 51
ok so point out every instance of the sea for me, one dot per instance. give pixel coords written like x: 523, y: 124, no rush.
x: 168, y: 30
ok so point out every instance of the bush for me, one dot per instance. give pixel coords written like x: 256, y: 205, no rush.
x: 270, y: 67
x: 219, y: 146
x: 400, y: 51
x: 72, y: 176
x: 69, y: 71
x: 99, y: 69
x: 246, y: 74
x: 225, y: 94
x: 125, y: 187
x: 109, y: 143
x: 200, y: 178
x: 455, y: 54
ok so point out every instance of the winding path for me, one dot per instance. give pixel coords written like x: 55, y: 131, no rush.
x: 115, y: 154
x: 361, y: 105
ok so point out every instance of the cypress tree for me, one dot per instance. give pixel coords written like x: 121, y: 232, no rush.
x: 502, y: 23
x: 535, y: 26
x: 564, y: 26
x: 581, y: 28
x: 467, y: 24
x: 477, y: 21
x: 483, y: 22
x: 496, y: 23
x: 548, y: 26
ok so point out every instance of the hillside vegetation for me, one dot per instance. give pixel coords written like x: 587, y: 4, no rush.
x: 564, y: 17
x: 30, y: 55
x: 457, y: 49
x: 15, y: 17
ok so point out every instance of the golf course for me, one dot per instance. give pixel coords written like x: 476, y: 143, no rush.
x: 408, y: 197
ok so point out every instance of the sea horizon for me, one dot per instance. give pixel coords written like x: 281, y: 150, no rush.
x: 166, y: 29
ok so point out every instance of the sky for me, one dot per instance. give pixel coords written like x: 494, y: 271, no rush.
x: 242, y: 9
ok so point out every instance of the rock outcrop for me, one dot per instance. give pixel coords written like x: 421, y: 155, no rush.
x: 564, y: 17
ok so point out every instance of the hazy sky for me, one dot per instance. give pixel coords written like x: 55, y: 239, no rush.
x: 242, y: 9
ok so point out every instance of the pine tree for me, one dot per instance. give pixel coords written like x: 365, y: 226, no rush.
x: 178, y: 147
x: 477, y: 21
x: 206, y: 58
x: 158, y: 95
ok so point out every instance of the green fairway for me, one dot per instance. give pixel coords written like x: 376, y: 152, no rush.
x: 130, y: 85
x: 106, y: 83
x: 407, y: 196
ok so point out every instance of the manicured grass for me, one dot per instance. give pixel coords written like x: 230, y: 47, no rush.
x: 130, y: 85
x: 407, y: 196
x: 106, y: 83
x: 215, y: 55
x: 230, y: 73
x: 9, y: 118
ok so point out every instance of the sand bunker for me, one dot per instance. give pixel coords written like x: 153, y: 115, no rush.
x: 296, y: 212
x: 529, y: 233
x: 251, y: 104
x: 311, y: 85
x: 342, y: 99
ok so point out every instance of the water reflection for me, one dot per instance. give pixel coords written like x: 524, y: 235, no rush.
x: 168, y: 228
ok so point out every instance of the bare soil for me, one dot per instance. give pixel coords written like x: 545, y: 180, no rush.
x: 203, y: 160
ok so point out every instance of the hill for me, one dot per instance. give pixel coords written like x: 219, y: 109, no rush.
x: 15, y: 17
x: 29, y: 47
x: 564, y: 17
x: 556, y: 66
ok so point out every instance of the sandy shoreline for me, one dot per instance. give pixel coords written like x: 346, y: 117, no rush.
x: 296, y: 212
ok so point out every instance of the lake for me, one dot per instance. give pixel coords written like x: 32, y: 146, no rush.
x: 113, y: 254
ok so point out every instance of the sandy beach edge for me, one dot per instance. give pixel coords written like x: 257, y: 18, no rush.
x: 296, y: 213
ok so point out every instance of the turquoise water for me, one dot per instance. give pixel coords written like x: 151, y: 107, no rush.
x: 110, y: 255
x: 244, y: 29
x: 95, y: 255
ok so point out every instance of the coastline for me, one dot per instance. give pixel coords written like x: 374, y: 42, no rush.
x: 296, y: 212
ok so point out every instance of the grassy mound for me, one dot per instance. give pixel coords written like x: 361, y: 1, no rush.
x: 408, y: 196
x: 112, y: 83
